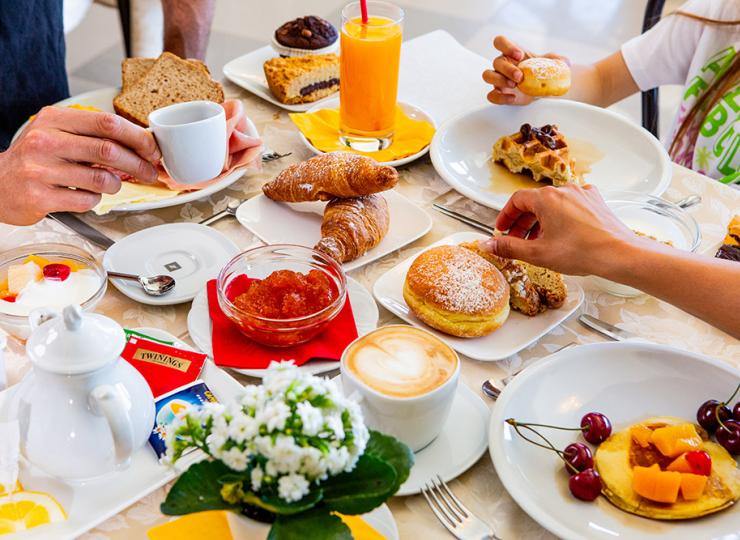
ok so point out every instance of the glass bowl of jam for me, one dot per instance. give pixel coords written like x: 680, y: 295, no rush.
x: 46, y: 275
x: 281, y: 295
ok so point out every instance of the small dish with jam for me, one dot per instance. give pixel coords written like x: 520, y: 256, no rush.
x: 281, y: 295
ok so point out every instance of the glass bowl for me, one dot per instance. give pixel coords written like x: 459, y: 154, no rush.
x: 654, y: 217
x: 258, y: 263
x: 17, y: 324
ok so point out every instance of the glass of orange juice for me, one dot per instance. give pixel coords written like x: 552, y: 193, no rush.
x: 370, y: 56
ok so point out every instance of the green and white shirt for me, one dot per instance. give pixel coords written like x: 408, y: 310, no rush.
x: 679, y: 50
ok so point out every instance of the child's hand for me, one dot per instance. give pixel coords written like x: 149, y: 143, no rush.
x: 505, y: 74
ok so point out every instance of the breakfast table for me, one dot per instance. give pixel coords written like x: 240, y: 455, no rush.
x: 479, y: 488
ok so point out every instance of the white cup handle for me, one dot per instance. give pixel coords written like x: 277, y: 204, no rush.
x: 108, y: 402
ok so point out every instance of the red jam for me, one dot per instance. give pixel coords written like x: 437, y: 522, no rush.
x: 8, y: 297
x: 286, y: 294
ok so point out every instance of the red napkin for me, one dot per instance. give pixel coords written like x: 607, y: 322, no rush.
x: 233, y: 349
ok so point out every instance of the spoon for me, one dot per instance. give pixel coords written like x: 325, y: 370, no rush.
x: 689, y: 201
x: 230, y: 210
x: 152, y: 285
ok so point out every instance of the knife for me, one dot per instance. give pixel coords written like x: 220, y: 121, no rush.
x: 75, y: 224
x: 606, y: 329
x: 465, y: 219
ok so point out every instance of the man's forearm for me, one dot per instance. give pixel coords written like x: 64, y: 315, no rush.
x: 187, y: 25
x: 706, y: 287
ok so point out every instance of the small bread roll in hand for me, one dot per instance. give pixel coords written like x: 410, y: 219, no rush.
x: 544, y: 77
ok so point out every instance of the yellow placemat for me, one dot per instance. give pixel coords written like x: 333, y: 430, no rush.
x: 322, y: 129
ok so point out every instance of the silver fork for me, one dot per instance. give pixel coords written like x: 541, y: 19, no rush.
x: 453, y: 514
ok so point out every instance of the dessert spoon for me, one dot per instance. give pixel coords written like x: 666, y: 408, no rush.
x: 152, y: 285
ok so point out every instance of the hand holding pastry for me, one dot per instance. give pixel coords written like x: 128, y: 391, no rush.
x: 517, y: 75
x: 326, y: 176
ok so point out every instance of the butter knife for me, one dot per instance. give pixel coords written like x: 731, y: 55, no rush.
x: 606, y: 329
x: 78, y: 226
x: 464, y: 219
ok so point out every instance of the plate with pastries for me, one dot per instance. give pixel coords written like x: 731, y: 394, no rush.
x: 299, y: 68
x: 490, y: 152
x: 485, y: 307
x: 149, y: 84
x: 342, y: 204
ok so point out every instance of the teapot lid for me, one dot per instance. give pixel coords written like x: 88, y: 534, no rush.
x: 73, y: 342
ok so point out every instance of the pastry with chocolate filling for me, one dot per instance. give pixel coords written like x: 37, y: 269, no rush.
x: 541, y: 152
x: 730, y: 248
x: 303, y: 79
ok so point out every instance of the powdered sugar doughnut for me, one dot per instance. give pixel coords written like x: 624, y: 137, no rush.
x: 544, y: 77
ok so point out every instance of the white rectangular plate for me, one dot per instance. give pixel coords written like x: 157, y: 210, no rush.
x: 247, y: 72
x: 89, y: 504
x: 300, y: 223
x: 518, y: 331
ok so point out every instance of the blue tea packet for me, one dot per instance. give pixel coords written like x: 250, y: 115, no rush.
x: 172, y: 406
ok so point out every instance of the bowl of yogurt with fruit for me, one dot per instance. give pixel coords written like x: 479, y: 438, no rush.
x: 46, y: 276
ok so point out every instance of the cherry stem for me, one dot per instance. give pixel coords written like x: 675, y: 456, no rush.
x: 549, y: 446
x: 527, y: 424
x: 732, y: 396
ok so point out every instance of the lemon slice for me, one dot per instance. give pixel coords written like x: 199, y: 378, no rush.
x: 18, y: 487
x: 28, y: 509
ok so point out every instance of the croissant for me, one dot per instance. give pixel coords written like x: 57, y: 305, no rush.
x: 326, y: 176
x: 353, y: 226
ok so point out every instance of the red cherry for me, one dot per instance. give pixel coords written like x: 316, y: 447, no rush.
x: 56, y: 272
x: 596, y: 427
x: 736, y: 411
x: 700, y: 462
x: 586, y: 485
x: 728, y: 435
x: 579, y: 456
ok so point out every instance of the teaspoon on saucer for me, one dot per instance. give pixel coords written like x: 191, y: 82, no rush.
x: 152, y: 285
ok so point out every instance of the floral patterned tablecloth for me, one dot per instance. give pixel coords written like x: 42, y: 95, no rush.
x: 479, y: 487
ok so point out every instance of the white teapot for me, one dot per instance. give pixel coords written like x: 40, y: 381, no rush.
x: 83, y: 410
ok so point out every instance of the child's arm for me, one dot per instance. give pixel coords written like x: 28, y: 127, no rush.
x: 603, y: 83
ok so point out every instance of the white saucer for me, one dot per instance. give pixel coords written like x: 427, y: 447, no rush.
x: 413, y: 112
x: 518, y: 332
x: 626, y: 381
x: 190, y: 253
x: 363, y: 306
x: 300, y: 223
x: 461, y: 443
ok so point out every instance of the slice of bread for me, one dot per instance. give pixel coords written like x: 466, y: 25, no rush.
x: 170, y: 80
x: 133, y: 69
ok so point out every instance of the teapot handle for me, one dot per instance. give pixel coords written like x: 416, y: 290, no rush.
x: 39, y: 316
x: 108, y: 402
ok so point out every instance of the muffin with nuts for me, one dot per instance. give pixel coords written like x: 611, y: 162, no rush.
x: 305, y: 36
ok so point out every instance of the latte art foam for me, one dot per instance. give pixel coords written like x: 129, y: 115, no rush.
x: 401, y: 361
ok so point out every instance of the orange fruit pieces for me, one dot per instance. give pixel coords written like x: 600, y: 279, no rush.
x: 656, y: 485
x: 641, y: 435
x: 673, y: 441
x: 692, y: 486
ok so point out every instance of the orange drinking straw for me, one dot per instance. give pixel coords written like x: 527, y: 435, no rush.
x: 363, y: 10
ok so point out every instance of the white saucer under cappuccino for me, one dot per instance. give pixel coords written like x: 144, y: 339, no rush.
x: 405, y: 379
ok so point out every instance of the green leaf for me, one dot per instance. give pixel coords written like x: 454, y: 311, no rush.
x: 276, y: 505
x: 198, y: 489
x: 368, y: 486
x: 393, y: 452
x: 316, y: 524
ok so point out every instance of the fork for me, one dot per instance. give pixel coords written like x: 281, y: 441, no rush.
x: 453, y: 514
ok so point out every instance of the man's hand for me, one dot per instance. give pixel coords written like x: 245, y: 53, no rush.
x: 569, y: 229
x: 56, y: 152
x: 505, y: 74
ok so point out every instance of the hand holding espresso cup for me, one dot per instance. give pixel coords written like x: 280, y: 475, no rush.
x: 405, y: 379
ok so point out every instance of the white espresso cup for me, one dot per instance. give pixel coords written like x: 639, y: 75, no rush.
x: 192, y: 139
x: 404, y: 379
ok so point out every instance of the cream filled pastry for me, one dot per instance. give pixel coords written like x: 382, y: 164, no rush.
x: 39, y: 283
x: 401, y: 361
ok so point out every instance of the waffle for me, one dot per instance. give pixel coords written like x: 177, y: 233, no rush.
x: 542, y: 152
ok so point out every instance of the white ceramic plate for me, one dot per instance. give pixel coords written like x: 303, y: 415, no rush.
x: 627, y: 382
x: 300, y: 223
x: 363, y: 306
x: 91, y: 503
x: 247, y: 72
x: 633, y: 160
x: 103, y: 100
x: 518, y: 331
x: 190, y: 253
x: 458, y: 447
x: 413, y: 112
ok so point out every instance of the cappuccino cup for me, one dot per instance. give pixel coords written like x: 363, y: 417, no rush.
x: 192, y: 139
x: 404, y: 379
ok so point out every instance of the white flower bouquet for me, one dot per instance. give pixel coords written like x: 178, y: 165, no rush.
x: 293, y: 451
